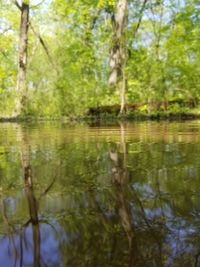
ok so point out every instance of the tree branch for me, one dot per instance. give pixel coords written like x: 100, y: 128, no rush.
x: 140, y: 18
x: 37, y: 34
x: 17, y: 4
x: 38, y: 4
x: 5, y: 31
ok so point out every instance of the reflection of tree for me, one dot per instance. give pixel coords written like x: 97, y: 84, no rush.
x: 127, y: 200
x: 120, y: 179
x: 33, y: 204
x: 18, y: 234
x: 148, y: 215
x: 31, y: 200
x: 33, y: 212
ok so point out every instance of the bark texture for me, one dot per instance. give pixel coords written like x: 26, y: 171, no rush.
x: 118, y: 56
x: 21, y: 90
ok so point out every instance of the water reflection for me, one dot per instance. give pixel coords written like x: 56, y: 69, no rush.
x: 21, y: 244
x: 31, y: 200
x: 119, y: 196
x: 120, y: 182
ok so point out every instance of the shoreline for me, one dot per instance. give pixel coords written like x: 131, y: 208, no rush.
x: 106, y: 117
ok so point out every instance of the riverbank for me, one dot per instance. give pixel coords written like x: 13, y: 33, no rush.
x: 156, y: 110
x: 133, y: 116
x: 143, y: 116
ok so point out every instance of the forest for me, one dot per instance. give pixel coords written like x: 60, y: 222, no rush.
x: 66, y: 58
x: 98, y: 165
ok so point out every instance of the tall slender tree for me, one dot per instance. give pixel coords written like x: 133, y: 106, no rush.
x: 21, y: 89
x: 118, y: 54
x: 118, y: 51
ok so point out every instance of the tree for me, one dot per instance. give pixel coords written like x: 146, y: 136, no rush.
x: 21, y: 90
x: 118, y: 51
x: 148, y: 50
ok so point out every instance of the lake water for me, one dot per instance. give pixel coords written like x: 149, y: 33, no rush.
x: 125, y: 195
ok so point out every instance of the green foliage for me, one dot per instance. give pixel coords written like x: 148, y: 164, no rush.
x: 163, y: 57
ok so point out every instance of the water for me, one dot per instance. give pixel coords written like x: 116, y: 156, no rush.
x: 112, y: 196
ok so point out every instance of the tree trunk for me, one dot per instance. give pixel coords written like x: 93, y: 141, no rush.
x: 21, y: 90
x: 118, y: 52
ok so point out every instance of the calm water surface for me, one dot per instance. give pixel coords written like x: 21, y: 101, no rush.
x: 115, y: 196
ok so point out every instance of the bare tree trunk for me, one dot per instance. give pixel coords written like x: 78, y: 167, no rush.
x: 21, y: 90
x: 118, y: 52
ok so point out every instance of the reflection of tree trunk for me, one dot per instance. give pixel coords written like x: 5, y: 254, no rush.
x: 33, y: 211
x: 119, y: 174
x: 32, y: 202
x: 120, y: 180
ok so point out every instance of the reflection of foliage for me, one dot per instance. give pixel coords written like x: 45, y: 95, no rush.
x: 160, y: 191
